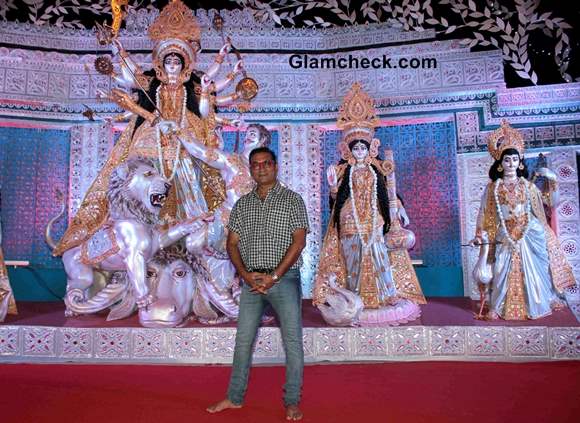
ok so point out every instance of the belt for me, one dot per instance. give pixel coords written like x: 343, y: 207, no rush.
x: 266, y: 271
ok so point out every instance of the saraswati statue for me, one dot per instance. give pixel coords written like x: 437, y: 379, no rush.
x: 364, y: 263
x: 520, y: 261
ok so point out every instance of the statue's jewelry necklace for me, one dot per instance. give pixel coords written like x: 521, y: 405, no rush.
x: 182, y: 124
x: 365, y: 245
x: 513, y: 243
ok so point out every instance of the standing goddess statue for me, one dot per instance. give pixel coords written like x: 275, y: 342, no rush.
x: 355, y: 254
x: 520, y: 259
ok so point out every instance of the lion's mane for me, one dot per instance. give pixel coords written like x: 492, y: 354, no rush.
x: 121, y: 205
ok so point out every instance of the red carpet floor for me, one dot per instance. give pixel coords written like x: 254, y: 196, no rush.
x: 392, y: 392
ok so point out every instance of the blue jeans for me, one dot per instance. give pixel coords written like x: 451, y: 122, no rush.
x: 286, y: 299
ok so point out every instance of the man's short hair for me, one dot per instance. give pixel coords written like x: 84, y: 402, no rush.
x: 263, y: 132
x: 262, y: 150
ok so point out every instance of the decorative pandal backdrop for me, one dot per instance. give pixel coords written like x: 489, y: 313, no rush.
x: 33, y: 163
x: 435, y: 120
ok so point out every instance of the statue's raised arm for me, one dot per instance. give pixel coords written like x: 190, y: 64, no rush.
x: 131, y: 75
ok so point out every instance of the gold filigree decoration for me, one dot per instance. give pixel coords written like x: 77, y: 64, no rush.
x: 515, y: 303
x: 175, y: 31
x: 404, y: 276
x: 114, y: 249
x: 357, y: 117
x: 562, y: 274
x: 175, y: 21
x: 503, y: 138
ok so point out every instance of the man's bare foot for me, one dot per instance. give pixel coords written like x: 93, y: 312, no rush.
x: 293, y: 413
x: 221, y: 406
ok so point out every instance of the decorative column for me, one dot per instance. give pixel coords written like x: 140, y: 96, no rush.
x: 90, y: 145
x: 300, y: 169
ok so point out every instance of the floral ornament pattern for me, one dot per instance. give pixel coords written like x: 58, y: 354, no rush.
x: 506, y: 28
x: 490, y: 25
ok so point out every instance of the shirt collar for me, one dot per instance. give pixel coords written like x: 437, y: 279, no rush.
x: 274, y: 190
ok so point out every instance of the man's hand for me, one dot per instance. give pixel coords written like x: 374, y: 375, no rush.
x: 266, y: 282
x: 254, y: 279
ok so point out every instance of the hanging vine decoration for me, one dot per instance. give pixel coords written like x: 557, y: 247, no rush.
x: 508, y: 29
x: 60, y: 12
x: 494, y: 25
x: 65, y: 13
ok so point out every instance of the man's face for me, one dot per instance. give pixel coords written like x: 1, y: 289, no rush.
x: 263, y: 169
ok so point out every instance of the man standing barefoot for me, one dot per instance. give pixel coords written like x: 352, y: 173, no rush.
x: 267, y: 232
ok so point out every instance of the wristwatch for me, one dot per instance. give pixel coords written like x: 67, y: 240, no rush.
x: 275, y: 277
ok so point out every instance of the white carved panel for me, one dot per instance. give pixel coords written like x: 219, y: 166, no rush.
x: 308, y: 335
x: 8, y: 340
x: 89, y: 150
x: 408, y: 341
x: 472, y: 177
x: 39, y: 341
x: 149, y: 343
x: 528, y: 341
x: 371, y: 342
x: 209, y: 345
x: 565, y: 343
x: 76, y: 343
x: 448, y: 341
x: 219, y: 344
x: 562, y: 160
x: 486, y: 341
x: 332, y: 342
x: 112, y: 343
x: 186, y: 343
x: 300, y: 170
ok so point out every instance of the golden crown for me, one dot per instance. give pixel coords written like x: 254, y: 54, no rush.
x: 503, y: 138
x: 175, y: 21
x: 175, y: 30
x: 356, y: 116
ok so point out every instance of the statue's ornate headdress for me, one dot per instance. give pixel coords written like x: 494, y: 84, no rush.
x: 503, y: 138
x: 175, y: 30
x: 357, y: 119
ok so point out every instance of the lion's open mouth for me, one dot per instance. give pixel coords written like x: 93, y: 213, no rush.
x: 157, y: 200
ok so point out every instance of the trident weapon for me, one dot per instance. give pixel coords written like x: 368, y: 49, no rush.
x: 247, y: 88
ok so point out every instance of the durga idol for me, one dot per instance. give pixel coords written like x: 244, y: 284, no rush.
x: 170, y: 103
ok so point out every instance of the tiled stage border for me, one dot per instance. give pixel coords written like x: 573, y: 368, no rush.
x: 32, y: 344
